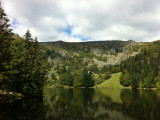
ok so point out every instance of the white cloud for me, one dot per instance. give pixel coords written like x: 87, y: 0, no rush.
x: 92, y: 19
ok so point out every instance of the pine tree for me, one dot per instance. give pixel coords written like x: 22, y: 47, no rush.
x: 85, y: 81
x: 91, y: 81
x: 17, y: 63
x: 36, y: 66
x: 28, y: 66
x: 5, y: 41
x: 134, y: 81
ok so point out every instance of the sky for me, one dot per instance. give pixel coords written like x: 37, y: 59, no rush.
x: 85, y: 20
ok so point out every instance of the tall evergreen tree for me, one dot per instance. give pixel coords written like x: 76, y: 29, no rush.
x: 35, y: 71
x: 87, y: 80
x: 17, y: 63
x: 22, y: 63
x: 28, y: 71
x: 5, y: 41
x: 134, y: 81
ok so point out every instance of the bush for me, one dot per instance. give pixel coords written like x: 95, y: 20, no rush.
x: 107, y: 75
x: 125, y: 79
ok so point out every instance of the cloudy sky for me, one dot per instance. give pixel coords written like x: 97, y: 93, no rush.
x: 84, y: 20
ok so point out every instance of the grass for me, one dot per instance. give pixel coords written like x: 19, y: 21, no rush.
x: 112, y: 82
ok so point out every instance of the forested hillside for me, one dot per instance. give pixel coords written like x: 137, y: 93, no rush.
x: 71, y: 62
x: 143, y: 70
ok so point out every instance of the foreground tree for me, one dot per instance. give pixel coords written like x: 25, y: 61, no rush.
x: 28, y: 66
x: 22, y: 63
x: 5, y: 42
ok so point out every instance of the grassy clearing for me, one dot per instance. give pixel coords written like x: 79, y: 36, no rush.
x: 113, y: 82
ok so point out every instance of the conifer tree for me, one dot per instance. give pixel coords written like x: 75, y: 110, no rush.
x: 35, y: 74
x: 5, y: 41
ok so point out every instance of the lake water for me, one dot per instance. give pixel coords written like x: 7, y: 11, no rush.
x: 86, y: 104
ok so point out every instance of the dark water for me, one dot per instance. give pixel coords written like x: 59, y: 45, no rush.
x: 86, y: 104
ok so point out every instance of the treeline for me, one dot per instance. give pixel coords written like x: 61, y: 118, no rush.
x: 143, y: 69
x: 22, y: 62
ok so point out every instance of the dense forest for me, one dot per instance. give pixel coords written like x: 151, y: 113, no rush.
x: 142, y: 70
x: 22, y: 63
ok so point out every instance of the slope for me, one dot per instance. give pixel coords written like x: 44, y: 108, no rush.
x: 113, y: 82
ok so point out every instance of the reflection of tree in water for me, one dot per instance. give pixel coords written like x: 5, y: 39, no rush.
x: 93, y: 104
x: 26, y: 109
x: 142, y: 105
x: 70, y: 103
x: 78, y: 104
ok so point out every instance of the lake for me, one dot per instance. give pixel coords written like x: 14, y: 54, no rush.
x: 86, y: 104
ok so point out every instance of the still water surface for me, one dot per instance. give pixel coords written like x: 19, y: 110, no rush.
x: 86, y: 104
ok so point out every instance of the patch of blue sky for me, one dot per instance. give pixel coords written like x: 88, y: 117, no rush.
x: 68, y: 30
x: 84, y: 39
x: 81, y: 37
x: 14, y: 23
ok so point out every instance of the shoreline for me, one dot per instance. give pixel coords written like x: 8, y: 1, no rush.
x: 8, y: 96
x: 94, y: 87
